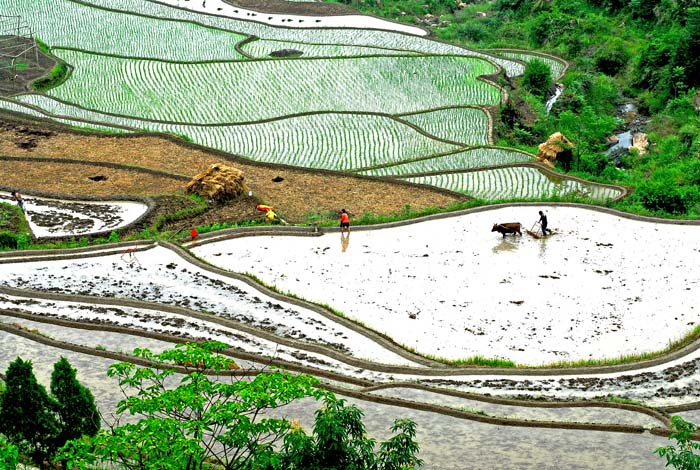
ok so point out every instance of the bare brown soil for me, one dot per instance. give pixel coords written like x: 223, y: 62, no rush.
x: 74, y: 179
x: 300, y: 192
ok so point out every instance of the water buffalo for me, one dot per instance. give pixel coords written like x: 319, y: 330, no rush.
x: 509, y: 227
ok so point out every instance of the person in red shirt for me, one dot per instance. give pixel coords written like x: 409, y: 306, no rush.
x: 344, y: 221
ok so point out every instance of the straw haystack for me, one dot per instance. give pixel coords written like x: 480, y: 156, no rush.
x: 640, y: 142
x: 220, y: 182
x: 557, y: 147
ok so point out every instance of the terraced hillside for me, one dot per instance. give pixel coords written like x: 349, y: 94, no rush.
x: 478, y: 337
x: 382, y: 101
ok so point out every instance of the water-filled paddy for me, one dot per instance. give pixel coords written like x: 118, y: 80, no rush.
x: 602, y: 286
x: 59, y: 218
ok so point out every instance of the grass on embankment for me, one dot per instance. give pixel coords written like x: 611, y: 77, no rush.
x: 674, y: 345
x: 14, y: 229
x: 56, y: 76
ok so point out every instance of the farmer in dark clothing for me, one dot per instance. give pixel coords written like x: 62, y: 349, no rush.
x: 543, y: 224
x: 17, y: 197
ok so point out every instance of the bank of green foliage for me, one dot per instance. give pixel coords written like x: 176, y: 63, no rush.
x: 9, y: 455
x: 684, y: 454
x: 35, y: 424
x: 210, y: 419
x: 57, y: 75
x: 206, y: 419
x: 14, y: 230
x: 643, y: 51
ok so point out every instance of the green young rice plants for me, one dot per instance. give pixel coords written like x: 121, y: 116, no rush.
x: 473, y: 411
x: 175, y: 86
x: 73, y: 24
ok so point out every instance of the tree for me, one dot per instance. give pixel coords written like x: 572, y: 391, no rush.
x: 200, y: 417
x: 685, y: 454
x: 691, y: 61
x: 27, y: 413
x: 339, y: 442
x: 76, y: 408
x: 664, y: 192
x: 212, y: 416
x: 9, y: 454
x: 587, y: 130
x: 537, y: 78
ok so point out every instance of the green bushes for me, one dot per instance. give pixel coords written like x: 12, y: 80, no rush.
x: 203, y: 421
x: 665, y: 195
x: 13, y: 241
x: 8, y: 454
x: 537, y: 78
x: 611, y: 59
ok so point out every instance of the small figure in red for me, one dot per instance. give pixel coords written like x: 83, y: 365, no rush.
x: 344, y: 221
x: 194, y: 233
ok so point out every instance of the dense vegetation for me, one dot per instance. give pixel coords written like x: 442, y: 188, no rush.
x: 640, y: 51
x: 35, y: 424
x: 685, y: 453
x: 14, y: 230
x: 206, y: 419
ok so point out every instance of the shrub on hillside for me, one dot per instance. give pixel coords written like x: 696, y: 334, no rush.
x: 537, y: 78
x: 611, y: 59
x: 8, y: 240
x: 666, y: 196
x: 13, y: 241
x: 9, y: 454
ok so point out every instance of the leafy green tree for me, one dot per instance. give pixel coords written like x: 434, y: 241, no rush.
x: 185, y: 422
x: 76, y: 407
x: 685, y: 454
x: 8, y: 454
x: 691, y: 59
x: 587, y: 130
x: 537, y: 78
x: 339, y: 442
x: 662, y: 192
x: 644, y: 9
x: 612, y: 58
x: 210, y: 418
x: 27, y: 413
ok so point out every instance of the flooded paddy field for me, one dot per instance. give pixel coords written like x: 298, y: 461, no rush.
x: 50, y: 218
x: 601, y: 287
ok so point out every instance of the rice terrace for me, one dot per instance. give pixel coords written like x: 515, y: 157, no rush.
x: 570, y: 350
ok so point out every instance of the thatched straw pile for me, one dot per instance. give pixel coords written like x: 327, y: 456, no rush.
x: 219, y: 182
x: 557, y: 147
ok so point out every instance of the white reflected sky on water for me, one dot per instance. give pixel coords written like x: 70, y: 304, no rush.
x: 601, y: 286
x: 61, y: 218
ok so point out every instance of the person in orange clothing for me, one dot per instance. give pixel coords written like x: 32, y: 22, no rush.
x: 344, y: 221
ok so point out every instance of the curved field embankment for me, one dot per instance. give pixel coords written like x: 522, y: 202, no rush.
x: 638, y: 380
x: 401, y: 306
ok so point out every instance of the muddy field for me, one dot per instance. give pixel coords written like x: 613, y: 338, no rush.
x: 296, y: 194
